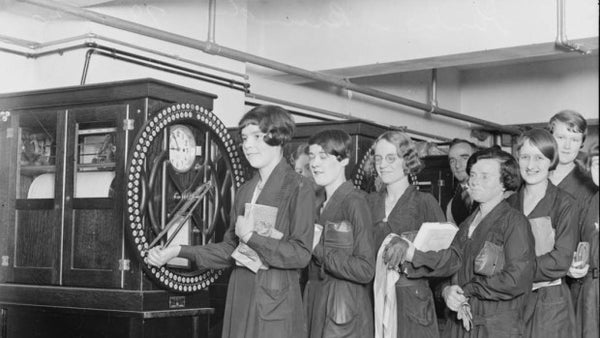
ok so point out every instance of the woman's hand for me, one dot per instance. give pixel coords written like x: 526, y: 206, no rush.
x: 578, y: 272
x: 244, y: 227
x: 395, y: 252
x: 454, y: 297
x: 159, y: 256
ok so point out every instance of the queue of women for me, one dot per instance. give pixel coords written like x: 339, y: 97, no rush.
x: 339, y: 238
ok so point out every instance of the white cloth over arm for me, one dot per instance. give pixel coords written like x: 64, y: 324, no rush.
x: 384, y: 287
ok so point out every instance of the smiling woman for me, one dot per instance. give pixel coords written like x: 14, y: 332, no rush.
x: 266, y: 301
x: 400, y: 209
x: 550, y: 212
x: 343, y: 260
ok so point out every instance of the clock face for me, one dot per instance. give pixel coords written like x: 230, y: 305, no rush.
x: 182, y: 148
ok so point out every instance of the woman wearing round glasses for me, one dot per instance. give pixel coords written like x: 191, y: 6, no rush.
x: 550, y: 212
x: 400, y: 208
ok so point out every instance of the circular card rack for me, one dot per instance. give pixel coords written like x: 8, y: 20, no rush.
x: 156, y: 194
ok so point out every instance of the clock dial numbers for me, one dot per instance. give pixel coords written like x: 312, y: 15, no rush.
x: 182, y: 148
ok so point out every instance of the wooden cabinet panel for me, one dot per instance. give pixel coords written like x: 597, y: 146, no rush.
x: 64, y: 245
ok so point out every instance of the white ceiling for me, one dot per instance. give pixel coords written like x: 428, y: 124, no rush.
x: 358, y: 39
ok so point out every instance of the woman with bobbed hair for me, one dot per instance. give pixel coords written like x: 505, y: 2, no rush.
x: 550, y: 212
x: 498, y: 256
x: 336, y: 297
x: 399, y: 208
x: 265, y: 303
x: 569, y: 129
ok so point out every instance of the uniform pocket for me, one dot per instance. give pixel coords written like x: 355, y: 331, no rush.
x: 338, y: 235
x: 490, y: 260
x: 504, y: 324
x: 418, y: 303
x: 341, y: 311
x: 272, y: 296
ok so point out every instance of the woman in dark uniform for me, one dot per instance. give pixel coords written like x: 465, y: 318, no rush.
x: 549, y: 310
x: 569, y: 129
x: 267, y: 303
x: 495, y: 232
x: 343, y: 263
x: 400, y: 208
x: 588, y: 300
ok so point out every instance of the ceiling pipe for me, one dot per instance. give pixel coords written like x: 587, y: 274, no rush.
x: 562, y: 41
x: 215, y: 49
x: 117, y: 54
x: 212, y: 11
x: 93, y: 38
x: 339, y: 115
x: 433, y: 103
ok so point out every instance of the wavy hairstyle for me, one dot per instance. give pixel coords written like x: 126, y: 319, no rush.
x: 406, y: 149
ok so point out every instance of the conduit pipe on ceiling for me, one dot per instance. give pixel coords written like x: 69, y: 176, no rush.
x: 212, y: 11
x: 215, y: 49
x: 92, y: 38
x: 562, y: 41
x: 433, y: 92
x: 339, y: 115
x: 121, y: 55
x: 159, y: 65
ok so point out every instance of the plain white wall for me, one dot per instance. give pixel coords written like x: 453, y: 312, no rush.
x: 532, y: 92
x: 357, y: 32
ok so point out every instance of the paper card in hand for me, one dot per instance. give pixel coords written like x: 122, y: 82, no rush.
x: 245, y: 256
x: 435, y: 236
x: 542, y: 230
x: 264, y: 224
x: 264, y: 218
x: 582, y: 255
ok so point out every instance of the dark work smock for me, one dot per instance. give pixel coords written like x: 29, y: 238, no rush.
x: 415, y: 304
x: 268, y: 303
x: 336, y: 297
x: 588, y: 300
x: 579, y: 185
x: 549, y: 310
x: 497, y: 301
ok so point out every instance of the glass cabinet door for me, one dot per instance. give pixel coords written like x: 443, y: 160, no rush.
x: 37, y: 217
x: 93, y: 224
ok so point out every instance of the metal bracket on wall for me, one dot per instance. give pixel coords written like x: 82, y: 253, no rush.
x: 128, y: 124
x: 124, y: 264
